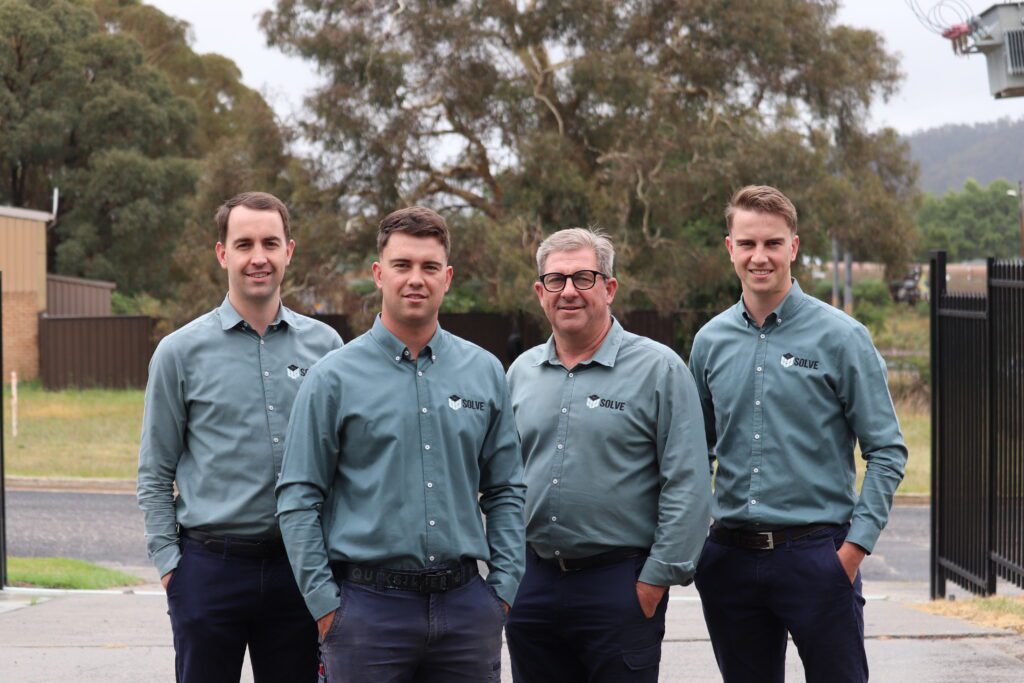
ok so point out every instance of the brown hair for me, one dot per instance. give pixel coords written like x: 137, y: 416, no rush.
x: 762, y: 199
x: 417, y: 221
x: 257, y: 201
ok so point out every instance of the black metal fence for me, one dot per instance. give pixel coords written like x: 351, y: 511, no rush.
x: 977, y: 430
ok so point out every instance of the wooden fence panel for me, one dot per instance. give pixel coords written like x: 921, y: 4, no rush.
x: 107, y: 351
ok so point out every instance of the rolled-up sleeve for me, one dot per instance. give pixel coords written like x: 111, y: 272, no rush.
x: 163, y: 436
x: 307, y: 472
x: 503, y: 497
x: 684, y: 502
x: 864, y: 392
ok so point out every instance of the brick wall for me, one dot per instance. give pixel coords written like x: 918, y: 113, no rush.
x: 21, y: 335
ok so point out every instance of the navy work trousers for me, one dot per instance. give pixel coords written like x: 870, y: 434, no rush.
x: 219, y: 604
x: 583, y: 625
x: 387, y: 635
x: 751, y: 598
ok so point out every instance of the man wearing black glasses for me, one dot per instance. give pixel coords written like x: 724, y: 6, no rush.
x: 618, y: 490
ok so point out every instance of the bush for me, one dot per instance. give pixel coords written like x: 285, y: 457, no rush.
x: 871, y: 304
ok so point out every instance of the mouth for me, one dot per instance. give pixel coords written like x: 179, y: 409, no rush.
x: 415, y: 297
x: 259, y: 275
x: 570, y: 308
x: 759, y: 272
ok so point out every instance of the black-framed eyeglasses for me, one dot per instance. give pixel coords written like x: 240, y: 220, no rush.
x: 581, y: 280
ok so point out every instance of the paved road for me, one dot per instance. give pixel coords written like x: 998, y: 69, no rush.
x: 107, y: 527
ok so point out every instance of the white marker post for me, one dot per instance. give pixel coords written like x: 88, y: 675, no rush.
x: 14, y: 404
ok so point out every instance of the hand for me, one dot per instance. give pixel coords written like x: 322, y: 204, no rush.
x: 649, y: 596
x: 166, y: 579
x: 323, y: 624
x: 505, y: 605
x: 850, y: 556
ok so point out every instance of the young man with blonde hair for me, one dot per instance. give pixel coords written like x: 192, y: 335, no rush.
x: 789, y: 384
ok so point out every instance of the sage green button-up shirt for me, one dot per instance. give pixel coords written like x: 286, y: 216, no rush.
x: 214, y: 422
x: 615, y: 454
x: 390, y: 462
x: 784, y: 405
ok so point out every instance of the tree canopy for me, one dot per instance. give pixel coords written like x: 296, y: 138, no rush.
x: 639, y: 116
x: 974, y: 223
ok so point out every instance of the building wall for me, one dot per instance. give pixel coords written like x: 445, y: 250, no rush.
x: 21, y: 335
x: 77, y: 296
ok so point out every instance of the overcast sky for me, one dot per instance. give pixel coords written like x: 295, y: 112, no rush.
x: 938, y: 87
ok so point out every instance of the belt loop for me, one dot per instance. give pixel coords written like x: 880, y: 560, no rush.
x: 227, y: 548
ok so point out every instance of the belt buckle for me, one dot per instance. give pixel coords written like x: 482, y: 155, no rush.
x: 427, y: 584
x: 771, y: 539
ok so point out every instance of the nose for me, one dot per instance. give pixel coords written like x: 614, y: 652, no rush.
x: 259, y: 256
x: 569, y: 291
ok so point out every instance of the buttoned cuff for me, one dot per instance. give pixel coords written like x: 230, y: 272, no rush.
x: 863, y: 534
x: 504, y: 585
x: 324, y: 600
x: 658, y: 573
x: 167, y: 558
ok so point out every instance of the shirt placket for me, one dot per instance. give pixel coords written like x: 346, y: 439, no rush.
x: 558, y: 463
x: 277, y: 423
x: 430, y: 452
x: 757, y: 436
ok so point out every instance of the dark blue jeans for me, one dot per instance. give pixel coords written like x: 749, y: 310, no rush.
x: 583, y: 626
x: 752, y: 598
x: 388, y: 635
x: 219, y: 604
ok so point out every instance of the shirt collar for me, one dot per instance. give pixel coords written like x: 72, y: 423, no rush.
x: 230, y: 318
x: 784, y: 311
x: 605, y: 354
x: 396, y: 349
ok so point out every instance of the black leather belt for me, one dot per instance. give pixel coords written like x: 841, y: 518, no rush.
x: 600, y: 560
x: 765, y: 540
x: 261, y: 548
x: 422, y: 581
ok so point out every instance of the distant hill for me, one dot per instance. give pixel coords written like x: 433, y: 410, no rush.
x: 951, y: 154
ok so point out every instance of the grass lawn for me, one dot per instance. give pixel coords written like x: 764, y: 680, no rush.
x: 995, y: 611
x: 62, y: 572
x: 74, y: 433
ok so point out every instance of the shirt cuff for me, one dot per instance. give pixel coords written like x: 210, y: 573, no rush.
x: 166, y: 559
x: 504, y: 585
x: 863, y: 534
x: 658, y: 573
x: 324, y: 600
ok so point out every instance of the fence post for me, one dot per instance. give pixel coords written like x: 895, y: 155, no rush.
x: 990, y: 488
x: 3, y: 495
x: 936, y: 288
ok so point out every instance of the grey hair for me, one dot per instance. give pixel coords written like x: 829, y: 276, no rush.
x: 571, y: 239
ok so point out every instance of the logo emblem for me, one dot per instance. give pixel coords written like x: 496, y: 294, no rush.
x: 454, y: 402
x: 593, y: 401
x: 294, y: 371
x: 787, y: 360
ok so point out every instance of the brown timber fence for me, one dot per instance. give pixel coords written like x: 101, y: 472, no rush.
x: 105, y: 351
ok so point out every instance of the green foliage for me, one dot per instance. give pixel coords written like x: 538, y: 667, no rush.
x: 822, y: 289
x: 638, y: 117
x: 976, y: 223
x: 871, y: 304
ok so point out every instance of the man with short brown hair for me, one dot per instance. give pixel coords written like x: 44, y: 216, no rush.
x: 788, y: 385
x: 217, y: 402
x: 397, y: 444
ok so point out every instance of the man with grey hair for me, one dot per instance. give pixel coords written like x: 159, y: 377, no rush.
x: 618, y: 489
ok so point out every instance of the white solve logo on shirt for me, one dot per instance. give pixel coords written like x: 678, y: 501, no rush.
x: 788, y: 360
x: 294, y: 371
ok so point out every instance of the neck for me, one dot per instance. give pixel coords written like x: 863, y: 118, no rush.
x: 760, y: 305
x: 415, y: 337
x: 259, y: 314
x: 574, y: 349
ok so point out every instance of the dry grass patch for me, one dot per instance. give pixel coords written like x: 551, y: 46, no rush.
x: 994, y: 612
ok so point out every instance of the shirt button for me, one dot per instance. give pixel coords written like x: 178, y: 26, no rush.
x: 398, y: 358
x: 757, y: 403
x: 756, y: 470
x: 557, y: 553
x: 555, y: 480
x: 270, y: 407
x: 419, y: 373
x: 554, y: 518
x: 778, y: 321
x: 431, y: 558
x: 570, y: 374
x: 759, y: 368
x: 431, y: 522
x: 423, y: 410
x: 565, y: 410
x: 278, y: 475
x: 762, y: 336
x: 261, y: 341
x: 757, y: 436
x: 430, y: 484
x: 753, y: 502
x: 433, y: 358
x: 277, y: 440
x: 405, y: 353
x: 559, y: 446
x: 266, y: 374
x: 426, y: 446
